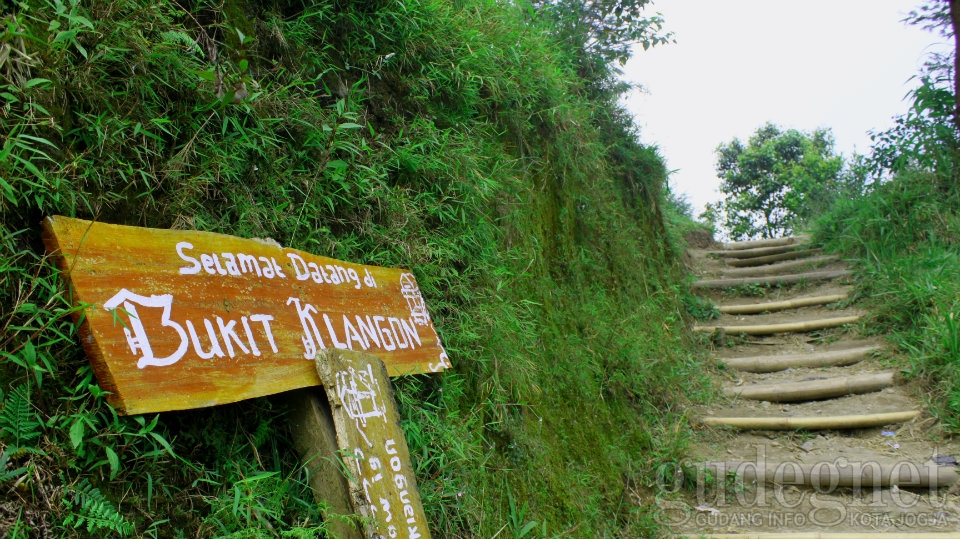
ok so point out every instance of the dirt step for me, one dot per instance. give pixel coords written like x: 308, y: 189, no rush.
x: 840, y: 473
x: 757, y: 252
x: 788, y: 327
x: 826, y: 535
x: 774, y: 242
x: 789, y: 278
x: 770, y: 259
x: 774, y: 363
x: 780, y: 267
x: 813, y: 389
x: 769, y: 306
x: 839, y: 422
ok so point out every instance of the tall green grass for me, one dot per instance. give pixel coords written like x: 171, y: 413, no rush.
x: 905, y: 236
x: 456, y: 139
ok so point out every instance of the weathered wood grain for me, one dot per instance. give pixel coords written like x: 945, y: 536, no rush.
x: 373, y: 447
x: 185, y: 319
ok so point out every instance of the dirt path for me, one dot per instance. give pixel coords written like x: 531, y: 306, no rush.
x: 894, y: 476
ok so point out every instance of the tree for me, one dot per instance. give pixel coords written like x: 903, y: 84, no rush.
x: 602, y: 32
x: 776, y: 181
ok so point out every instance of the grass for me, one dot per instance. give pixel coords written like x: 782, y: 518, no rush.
x: 455, y: 139
x: 904, y: 235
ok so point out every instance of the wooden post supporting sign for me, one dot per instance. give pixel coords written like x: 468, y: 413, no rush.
x: 383, y: 486
x: 175, y: 320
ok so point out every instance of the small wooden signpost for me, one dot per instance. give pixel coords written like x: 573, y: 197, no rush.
x: 383, y: 487
x: 184, y: 319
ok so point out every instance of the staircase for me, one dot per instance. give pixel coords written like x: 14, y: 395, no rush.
x: 818, y: 436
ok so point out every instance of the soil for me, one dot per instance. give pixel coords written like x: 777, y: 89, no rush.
x: 704, y: 505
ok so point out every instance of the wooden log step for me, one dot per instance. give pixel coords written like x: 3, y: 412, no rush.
x: 832, y: 358
x: 813, y: 389
x: 840, y: 422
x: 762, y: 260
x: 754, y: 253
x: 773, y: 242
x: 789, y: 327
x: 772, y: 269
x: 796, y: 303
x: 823, y: 535
x: 838, y: 474
x: 789, y: 278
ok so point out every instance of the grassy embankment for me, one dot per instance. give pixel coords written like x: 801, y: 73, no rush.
x: 904, y: 231
x: 461, y: 140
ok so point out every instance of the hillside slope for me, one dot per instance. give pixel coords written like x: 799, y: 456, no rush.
x: 461, y: 140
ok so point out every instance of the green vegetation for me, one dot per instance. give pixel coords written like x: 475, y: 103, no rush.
x: 905, y: 232
x: 778, y: 180
x: 474, y: 142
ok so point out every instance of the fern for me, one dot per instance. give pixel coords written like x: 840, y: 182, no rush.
x: 7, y: 475
x: 89, y: 507
x: 18, y: 422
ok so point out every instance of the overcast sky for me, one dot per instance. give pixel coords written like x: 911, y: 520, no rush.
x: 737, y: 64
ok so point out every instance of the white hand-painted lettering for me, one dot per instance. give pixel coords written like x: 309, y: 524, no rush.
x: 311, y: 334
x: 319, y: 274
x: 357, y: 391
x: 361, y: 332
x: 223, y: 335
x: 353, y: 335
x: 411, y: 292
x: 215, y: 349
x: 265, y: 320
x: 188, y: 270
x: 368, y: 279
x: 333, y: 333
x: 228, y: 264
x: 230, y: 336
x: 444, y: 362
x: 137, y: 339
x: 388, y: 343
x: 231, y: 262
x: 385, y: 505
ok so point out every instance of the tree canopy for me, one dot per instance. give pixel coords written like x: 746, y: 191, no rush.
x: 775, y: 180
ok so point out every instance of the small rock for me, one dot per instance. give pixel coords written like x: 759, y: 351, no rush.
x: 807, y: 446
x: 945, y: 460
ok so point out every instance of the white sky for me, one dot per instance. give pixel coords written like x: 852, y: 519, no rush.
x: 737, y: 64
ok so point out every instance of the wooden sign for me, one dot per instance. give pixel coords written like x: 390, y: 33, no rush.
x: 183, y: 319
x: 382, y: 484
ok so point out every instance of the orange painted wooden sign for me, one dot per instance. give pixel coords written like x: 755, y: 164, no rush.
x: 183, y: 319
